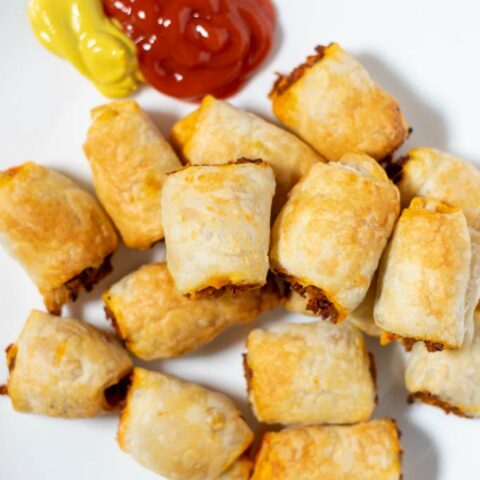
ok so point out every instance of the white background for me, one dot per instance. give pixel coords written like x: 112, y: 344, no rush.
x: 426, y: 52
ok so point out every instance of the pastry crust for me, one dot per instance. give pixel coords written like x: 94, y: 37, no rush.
x: 430, y: 173
x: 367, y: 451
x: 427, y: 172
x: 332, y: 231
x: 424, y: 277
x: 332, y: 103
x: 217, y: 226
x: 240, y: 470
x: 56, y: 230
x: 63, y: 367
x: 156, y: 321
x: 129, y: 160
x: 448, y: 379
x: 179, y: 429
x: 309, y: 374
x: 218, y: 133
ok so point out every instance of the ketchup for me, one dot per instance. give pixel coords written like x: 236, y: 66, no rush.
x: 188, y: 48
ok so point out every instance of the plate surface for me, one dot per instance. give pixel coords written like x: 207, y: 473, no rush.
x: 425, y: 52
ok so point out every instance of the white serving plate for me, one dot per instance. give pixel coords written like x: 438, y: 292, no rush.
x: 425, y: 52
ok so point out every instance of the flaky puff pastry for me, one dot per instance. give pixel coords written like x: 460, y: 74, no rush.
x: 129, y: 160
x: 329, y: 236
x: 179, y: 429
x: 448, y: 379
x: 157, y: 321
x: 218, y: 133
x: 217, y: 226
x: 367, y: 451
x: 424, y: 277
x: 310, y: 374
x: 334, y: 105
x: 63, y: 367
x: 431, y: 173
x: 240, y: 470
x: 56, y: 230
x: 426, y: 172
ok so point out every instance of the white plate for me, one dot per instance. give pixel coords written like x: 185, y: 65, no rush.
x: 423, y: 51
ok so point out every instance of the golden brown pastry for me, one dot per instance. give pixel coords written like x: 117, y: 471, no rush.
x: 424, y: 277
x: 448, y: 379
x: 333, y: 104
x: 217, y: 226
x: 218, y: 133
x: 63, y: 367
x: 367, y: 451
x: 179, y: 429
x: 427, y: 172
x: 310, y: 374
x: 129, y: 159
x: 56, y: 230
x: 329, y: 236
x: 156, y: 321
x: 240, y: 470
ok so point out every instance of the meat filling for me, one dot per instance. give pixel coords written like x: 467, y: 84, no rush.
x: 88, y: 278
x: 409, y: 342
x: 317, y: 301
x: 284, y: 82
x: 116, y: 394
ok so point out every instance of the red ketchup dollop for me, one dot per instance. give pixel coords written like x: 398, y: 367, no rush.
x: 188, y: 48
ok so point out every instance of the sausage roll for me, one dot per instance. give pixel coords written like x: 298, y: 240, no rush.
x: 333, y: 104
x: 179, y: 429
x: 310, y: 374
x: 217, y: 226
x: 240, y: 470
x: 156, y: 321
x: 367, y: 451
x: 426, y: 172
x: 129, y: 159
x: 217, y: 133
x: 448, y: 379
x: 56, y: 230
x: 329, y: 236
x: 431, y: 173
x: 63, y: 367
x: 361, y: 317
x: 424, y: 278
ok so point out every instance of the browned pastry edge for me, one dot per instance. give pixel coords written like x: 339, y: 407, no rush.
x: 317, y: 300
x: 113, y: 320
x: 116, y: 394
x: 409, y: 342
x: 431, y: 399
x: 284, y: 82
x: 373, y: 372
x: 400, y: 451
x: 3, y: 390
x: 88, y: 278
x: 228, y: 288
x: 238, y: 161
x: 11, y: 352
x: 248, y: 372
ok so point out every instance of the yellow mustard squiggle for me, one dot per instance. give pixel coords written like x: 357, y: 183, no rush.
x: 80, y: 32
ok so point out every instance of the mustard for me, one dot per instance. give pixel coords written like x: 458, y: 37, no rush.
x: 80, y: 32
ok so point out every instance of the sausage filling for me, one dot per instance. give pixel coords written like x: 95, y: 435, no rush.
x: 116, y: 394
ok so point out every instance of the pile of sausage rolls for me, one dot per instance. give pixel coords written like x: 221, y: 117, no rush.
x: 320, y: 219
